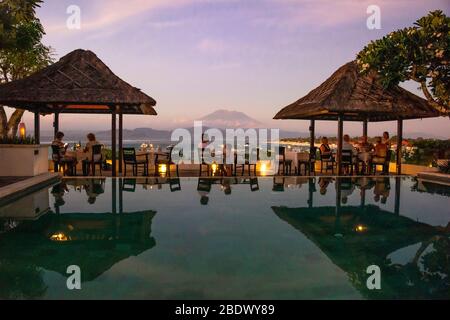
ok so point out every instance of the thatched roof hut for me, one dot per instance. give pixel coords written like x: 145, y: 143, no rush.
x: 349, y: 95
x: 357, y: 98
x: 78, y: 83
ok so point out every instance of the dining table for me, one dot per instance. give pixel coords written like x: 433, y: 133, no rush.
x: 151, y: 156
x: 297, y: 158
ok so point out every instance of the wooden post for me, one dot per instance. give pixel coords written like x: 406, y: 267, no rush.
x: 365, y: 127
x: 399, y: 145
x: 120, y: 140
x: 37, y: 128
x: 113, y: 142
x: 114, y: 196
x: 120, y: 195
x: 312, y: 134
x: 397, y: 195
x: 339, y: 143
x: 56, y: 123
x: 312, y: 138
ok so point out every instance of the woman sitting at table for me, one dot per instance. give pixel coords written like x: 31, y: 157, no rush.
x: 325, y: 150
x: 92, y: 141
x: 88, y: 150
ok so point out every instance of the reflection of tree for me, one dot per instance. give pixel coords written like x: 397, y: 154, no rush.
x: 20, y: 281
x: 437, y: 262
x: 95, y: 242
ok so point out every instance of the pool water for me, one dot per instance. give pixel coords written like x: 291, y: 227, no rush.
x: 233, y: 238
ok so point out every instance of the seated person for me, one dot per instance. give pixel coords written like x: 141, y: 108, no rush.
x: 380, y: 152
x: 61, y: 145
x: 364, y: 145
x: 364, y: 148
x: 325, y: 150
x: 88, y: 149
x: 347, y: 145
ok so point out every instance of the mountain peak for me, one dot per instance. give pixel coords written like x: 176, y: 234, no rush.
x: 223, y: 118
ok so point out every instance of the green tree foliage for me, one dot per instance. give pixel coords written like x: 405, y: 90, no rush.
x: 420, y: 53
x: 21, y: 50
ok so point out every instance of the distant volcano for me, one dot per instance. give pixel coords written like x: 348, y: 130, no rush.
x: 230, y: 119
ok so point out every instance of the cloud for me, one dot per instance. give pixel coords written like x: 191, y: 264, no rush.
x: 101, y: 14
x: 326, y: 13
x: 209, y: 45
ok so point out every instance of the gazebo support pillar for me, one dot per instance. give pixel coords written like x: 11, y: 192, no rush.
x: 113, y: 142
x: 56, y: 123
x: 37, y: 128
x: 312, y: 138
x: 365, y: 127
x: 399, y: 145
x: 120, y: 141
x: 339, y: 143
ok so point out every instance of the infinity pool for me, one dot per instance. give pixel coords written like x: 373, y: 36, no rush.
x: 191, y: 238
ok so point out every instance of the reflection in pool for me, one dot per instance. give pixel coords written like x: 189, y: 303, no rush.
x: 242, y: 238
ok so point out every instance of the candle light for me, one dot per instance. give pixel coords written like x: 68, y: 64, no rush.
x: 22, y: 130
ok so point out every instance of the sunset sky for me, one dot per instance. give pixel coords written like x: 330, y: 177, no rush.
x: 254, y: 56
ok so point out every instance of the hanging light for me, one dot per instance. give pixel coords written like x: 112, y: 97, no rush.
x: 22, y: 130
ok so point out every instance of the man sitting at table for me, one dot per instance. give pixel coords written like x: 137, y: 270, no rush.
x: 347, y: 145
x: 61, y: 145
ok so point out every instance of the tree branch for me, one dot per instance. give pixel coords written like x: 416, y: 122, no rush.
x: 441, y: 108
x: 14, y: 120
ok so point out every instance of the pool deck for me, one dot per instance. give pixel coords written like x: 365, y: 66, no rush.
x: 18, y: 187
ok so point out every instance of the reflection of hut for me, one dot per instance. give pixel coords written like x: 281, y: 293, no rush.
x: 359, y: 237
x: 94, y: 242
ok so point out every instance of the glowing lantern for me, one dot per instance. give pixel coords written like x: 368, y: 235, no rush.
x: 162, y: 169
x: 360, y: 228
x: 22, y: 130
x: 214, y: 168
x: 59, y: 237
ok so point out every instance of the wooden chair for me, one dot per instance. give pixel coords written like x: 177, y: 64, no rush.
x: 129, y: 185
x: 327, y: 159
x: 287, y: 164
x: 383, y: 162
x: 347, y: 161
x: 60, y: 161
x: 254, y: 186
x: 174, y: 184
x: 247, y: 163
x: 129, y: 158
x: 309, y: 164
x: 165, y: 159
x: 96, y: 159
x: 277, y: 185
x: 203, y: 163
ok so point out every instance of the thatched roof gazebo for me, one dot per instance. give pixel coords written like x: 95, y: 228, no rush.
x: 78, y: 83
x: 350, y: 96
